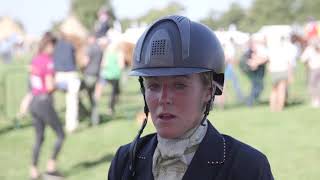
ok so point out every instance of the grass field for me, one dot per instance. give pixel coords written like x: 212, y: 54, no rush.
x: 288, y: 138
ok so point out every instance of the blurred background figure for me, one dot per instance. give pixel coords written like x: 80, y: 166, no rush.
x: 113, y: 63
x: 90, y: 76
x: 67, y: 79
x: 6, y: 50
x: 230, y: 74
x: 102, y: 24
x: 311, y: 58
x: 294, y: 47
x: 280, y: 67
x: 311, y: 29
x: 42, y: 109
x: 253, y: 64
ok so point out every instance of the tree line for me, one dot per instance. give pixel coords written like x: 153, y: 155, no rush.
x: 261, y: 12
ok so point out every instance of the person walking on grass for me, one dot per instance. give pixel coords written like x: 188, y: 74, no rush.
x: 311, y: 58
x: 90, y: 77
x: 67, y: 79
x: 111, y: 70
x: 254, y: 62
x: 280, y: 68
x: 42, y: 109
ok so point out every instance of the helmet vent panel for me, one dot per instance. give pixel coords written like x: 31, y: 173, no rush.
x: 178, y: 18
x: 159, y: 47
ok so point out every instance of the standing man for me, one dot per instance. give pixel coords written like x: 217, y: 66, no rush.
x: 67, y: 79
x: 257, y: 56
x: 91, y: 74
x: 103, y: 23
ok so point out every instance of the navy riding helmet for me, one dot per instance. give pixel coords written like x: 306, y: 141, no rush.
x: 175, y: 45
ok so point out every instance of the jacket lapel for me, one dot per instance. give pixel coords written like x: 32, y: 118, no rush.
x: 209, y: 157
x: 144, y: 160
x: 205, y: 164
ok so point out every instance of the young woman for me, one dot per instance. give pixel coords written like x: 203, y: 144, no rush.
x: 180, y: 64
x: 111, y: 70
x: 42, y: 110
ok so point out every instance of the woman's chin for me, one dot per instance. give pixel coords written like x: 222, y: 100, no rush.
x: 167, y: 134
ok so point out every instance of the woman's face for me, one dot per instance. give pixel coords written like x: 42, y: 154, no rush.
x: 176, y: 103
x: 49, y: 48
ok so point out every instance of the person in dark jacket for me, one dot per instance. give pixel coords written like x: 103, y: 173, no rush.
x: 67, y: 79
x: 90, y: 77
x: 180, y: 64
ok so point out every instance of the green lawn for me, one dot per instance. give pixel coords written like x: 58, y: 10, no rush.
x: 288, y: 138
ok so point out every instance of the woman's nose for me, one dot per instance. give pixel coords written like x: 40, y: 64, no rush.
x: 165, y: 96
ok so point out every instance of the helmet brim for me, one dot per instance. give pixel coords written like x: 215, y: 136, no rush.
x: 166, y: 71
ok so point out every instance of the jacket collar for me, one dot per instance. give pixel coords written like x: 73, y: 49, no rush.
x: 145, y: 157
x: 209, y: 157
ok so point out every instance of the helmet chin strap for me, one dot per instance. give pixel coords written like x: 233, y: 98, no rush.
x: 146, y: 109
x: 209, y: 104
x: 134, y: 145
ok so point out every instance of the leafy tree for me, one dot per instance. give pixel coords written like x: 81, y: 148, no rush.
x: 153, y: 14
x: 267, y: 12
x: 234, y: 15
x: 270, y: 12
x: 261, y: 12
x: 86, y: 10
x: 126, y: 23
x: 307, y: 8
x: 264, y: 12
x: 211, y: 20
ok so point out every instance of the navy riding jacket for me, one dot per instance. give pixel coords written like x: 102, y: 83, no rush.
x: 218, y: 157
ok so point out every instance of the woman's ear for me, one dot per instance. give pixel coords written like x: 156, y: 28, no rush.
x: 213, y: 89
x: 210, y: 91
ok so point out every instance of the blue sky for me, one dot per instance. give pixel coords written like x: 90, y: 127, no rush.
x: 37, y: 16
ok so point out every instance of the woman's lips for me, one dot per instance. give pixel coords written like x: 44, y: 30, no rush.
x: 166, y: 116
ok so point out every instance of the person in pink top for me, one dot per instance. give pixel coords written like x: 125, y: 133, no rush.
x: 42, y: 109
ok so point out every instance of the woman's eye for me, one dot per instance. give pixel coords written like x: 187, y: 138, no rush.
x: 153, y: 87
x: 180, y: 86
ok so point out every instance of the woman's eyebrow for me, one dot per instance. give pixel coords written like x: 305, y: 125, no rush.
x: 174, y: 77
x: 150, y: 78
x: 182, y: 76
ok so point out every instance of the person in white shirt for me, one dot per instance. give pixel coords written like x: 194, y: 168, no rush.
x: 311, y: 57
x: 280, y: 65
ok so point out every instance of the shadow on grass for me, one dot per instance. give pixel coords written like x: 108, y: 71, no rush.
x: 15, y: 125
x: 288, y: 104
x: 294, y: 103
x: 85, y: 165
x: 236, y: 105
x: 105, y: 118
x: 264, y: 103
x: 232, y: 106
